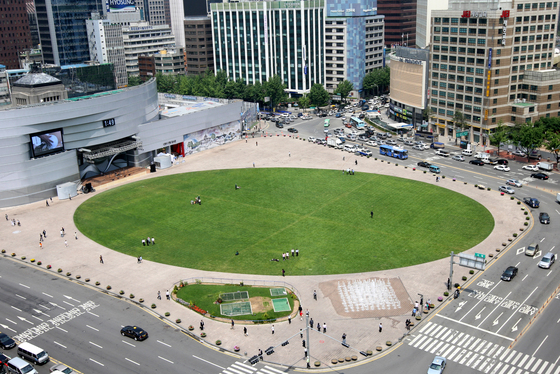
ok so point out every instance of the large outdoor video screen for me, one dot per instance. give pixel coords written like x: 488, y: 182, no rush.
x: 47, y: 142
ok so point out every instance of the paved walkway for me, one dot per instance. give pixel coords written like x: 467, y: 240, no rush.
x: 81, y: 257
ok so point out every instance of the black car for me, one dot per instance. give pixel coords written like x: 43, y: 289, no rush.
x: 539, y: 176
x: 280, y: 125
x: 3, y: 361
x: 6, y: 342
x: 476, y: 162
x: 544, y: 218
x: 291, y: 129
x: 424, y: 164
x: 501, y: 161
x: 134, y: 332
x: 532, y: 202
x: 509, y: 273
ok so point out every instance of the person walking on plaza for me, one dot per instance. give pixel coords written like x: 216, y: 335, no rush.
x: 380, y: 327
x: 343, y: 338
x: 167, y: 295
x: 76, y: 235
x: 101, y: 259
x: 324, y: 328
x: 314, y: 294
x: 232, y: 324
x: 66, y: 243
x: 272, y: 329
x: 201, y: 325
x: 159, y: 295
x: 245, y: 331
x: 371, y: 214
x: 283, y: 272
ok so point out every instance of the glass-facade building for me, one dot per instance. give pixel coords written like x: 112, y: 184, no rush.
x: 256, y: 40
x: 62, y: 29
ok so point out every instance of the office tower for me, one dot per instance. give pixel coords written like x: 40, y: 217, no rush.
x: 199, y: 51
x: 14, y: 28
x: 400, y: 21
x: 142, y: 38
x: 423, y: 20
x: 177, y: 15
x: 492, y: 61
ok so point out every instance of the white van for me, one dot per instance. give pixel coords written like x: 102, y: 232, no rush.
x: 33, y: 353
x: 17, y: 366
x: 467, y: 152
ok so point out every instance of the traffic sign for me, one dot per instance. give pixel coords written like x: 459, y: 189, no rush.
x: 479, y: 255
x: 459, y: 134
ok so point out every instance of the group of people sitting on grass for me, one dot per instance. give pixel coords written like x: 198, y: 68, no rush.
x: 196, y: 201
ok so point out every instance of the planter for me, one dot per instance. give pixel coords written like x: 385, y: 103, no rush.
x: 527, y: 218
x: 39, y: 262
x: 178, y: 320
x: 153, y: 306
x: 519, y: 203
x: 354, y: 358
x: 498, y: 249
x: 526, y: 223
x: 490, y: 255
x: 440, y: 299
x: 59, y: 270
x: 108, y: 287
x: 471, y: 272
x: 341, y: 360
x: 511, y: 198
x: 218, y: 342
x: 389, y: 343
x: 87, y: 279
x: 464, y: 278
x: 97, y: 283
x: 317, y: 363
x: 418, y: 317
x: 191, y: 327
x: 121, y: 292
x: 141, y: 300
x: 446, y: 293
x: 465, y: 182
x: 379, y: 348
x: 23, y: 257
x: 521, y: 229
x: 68, y: 274
x: 202, y: 334
x: 13, y: 255
x: 515, y: 235
x: 32, y: 260
x: 3, y: 251
x: 131, y: 296
x: 167, y: 314
x: 236, y: 349
x: 413, y: 169
x: 78, y: 276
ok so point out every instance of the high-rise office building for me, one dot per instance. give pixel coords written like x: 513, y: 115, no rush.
x: 177, y: 15
x: 400, y: 21
x: 492, y: 61
x: 33, y: 28
x: 424, y: 21
x: 14, y: 28
x: 257, y: 40
x: 199, y: 50
x: 62, y: 29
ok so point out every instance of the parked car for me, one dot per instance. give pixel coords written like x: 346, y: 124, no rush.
x: 532, y: 202
x: 514, y: 182
x: 506, y: 189
x: 509, y: 273
x: 501, y: 168
x: 437, y: 366
x: 547, y: 260
x: 6, y: 342
x: 280, y: 125
x: 519, y: 153
x: 134, y: 332
x: 424, y: 164
x: 476, y: 162
x: 542, y: 176
x: 291, y: 129
x: 311, y: 139
x: 544, y: 218
x: 458, y: 158
x: 60, y: 368
x: 531, y: 167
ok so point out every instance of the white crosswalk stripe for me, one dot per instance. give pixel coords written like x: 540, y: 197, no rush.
x: 270, y: 370
x: 240, y: 366
x: 476, y: 353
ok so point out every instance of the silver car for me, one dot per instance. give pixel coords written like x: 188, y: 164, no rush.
x: 458, y: 158
x: 437, y: 366
x: 514, y: 182
x: 547, y: 260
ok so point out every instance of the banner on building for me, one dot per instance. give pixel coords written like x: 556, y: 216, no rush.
x: 122, y: 5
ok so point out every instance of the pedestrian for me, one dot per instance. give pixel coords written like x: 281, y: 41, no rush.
x: 18, y: 223
x: 356, y: 161
x: 300, y: 309
x: 153, y: 241
x: 304, y: 350
x: 283, y: 256
x: 343, y: 158
x: 167, y: 295
x: 245, y: 331
x: 343, y: 338
x: 429, y: 303
x: 143, y: 242
x: 66, y: 243
x: 324, y: 328
x: 260, y: 354
x: 414, y: 310
x: 380, y: 327
x: 61, y: 234
x: 232, y: 324
x: 40, y: 237
x: 148, y: 241
x: 283, y: 272
x: 421, y: 301
x: 101, y: 259
x: 6, y: 217
x: 46, y: 201
x: 416, y: 305
x: 202, y: 325
x: 257, y: 144
x: 293, y: 252
x: 300, y: 315
x: 311, y: 323
x: 297, y: 252
x: 140, y: 259
x: 40, y: 245
x: 272, y: 329
x: 301, y: 334
x: 371, y: 214
x: 289, y: 154
x: 63, y: 231
x: 45, y: 233
x: 287, y: 255
x: 318, y: 326
x: 315, y: 294
x: 303, y: 342
x: 76, y: 235
x: 159, y: 295
x: 289, y: 320
x: 253, y: 164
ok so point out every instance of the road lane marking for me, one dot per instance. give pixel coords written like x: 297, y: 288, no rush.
x: 238, y: 366
x: 125, y: 342
x: 134, y: 362
x: 57, y: 343
x: 476, y: 328
x: 66, y: 302
x: 23, y: 285
x: 163, y: 343
x: 529, y: 362
x: 208, y: 362
x: 517, y: 358
x: 93, y: 328
x: 37, y: 318
x: 46, y: 294
x: 419, y: 341
x: 93, y: 314
x: 524, y: 277
x: 97, y: 345
x: 60, y: 328
x: 21, y: 297
x: 71, y: 298
x: 164, y: 359
x: 523, y: 361
x: 500, y: 281
x: 9, y: 320
x: 520, y: 305
x: 97, y: 362
x: 546, y: 337
x: 19, y: 310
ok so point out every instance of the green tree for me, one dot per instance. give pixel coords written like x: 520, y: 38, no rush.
x: 234, y: 90
x: 134, y: 80
x: 318, y: 95
x: 377, y: 79
x: 167, y: 83
x: 343, y: 89
x: 552, y: 143
x: 274, y: 89
x: 458, y: 121
x: 428, y: 114
x: 499, y: 135
x: 530, y: 137
x: 304, y: 102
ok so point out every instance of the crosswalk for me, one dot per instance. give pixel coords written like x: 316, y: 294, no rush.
x: 476, y: 353
x: 241, y: 368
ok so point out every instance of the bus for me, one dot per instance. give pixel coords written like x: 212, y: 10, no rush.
x: 357, y: 123
x: 393, y: 151
x: 327, y: 122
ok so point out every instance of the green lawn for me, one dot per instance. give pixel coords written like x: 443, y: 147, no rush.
x: 323, y: 213
x: 205, y: 295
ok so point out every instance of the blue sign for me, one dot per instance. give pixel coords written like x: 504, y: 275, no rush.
x: 489, y: 58
x: 122, y: 5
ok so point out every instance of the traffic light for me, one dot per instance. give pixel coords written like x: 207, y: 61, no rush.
x: 285, y: 343
x: 253, y: 360
x: 269, y: 351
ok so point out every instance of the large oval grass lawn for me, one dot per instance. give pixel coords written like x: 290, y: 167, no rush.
x: 322, y: 213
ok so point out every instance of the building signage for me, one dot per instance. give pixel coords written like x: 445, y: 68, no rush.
x: 109, y: 122
x: 505, y: 14
x: 504, y: 32
x: 469, y: 14
x: 169, y: 142
x: 488, y: 82
x: 489, y: 58
x: 410, y: 61
x: 122, y: 5
x: 189, y: 98
x: 291, y: 4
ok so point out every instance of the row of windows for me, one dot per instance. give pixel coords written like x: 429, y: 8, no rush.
x: 535, y: 6
x: 460, y: 79
x: 460, y: 30
x: 547, y: 17
x: 463, y: 21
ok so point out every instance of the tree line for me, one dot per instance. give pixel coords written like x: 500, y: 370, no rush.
x: 220, y: 86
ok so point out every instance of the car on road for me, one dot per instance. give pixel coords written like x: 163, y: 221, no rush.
x: 532, y: 202
x: 532, y: 250
x: 60, y: 368
x: 363, y: 152
x: 291, y: 129
x: 547, y: 260
x: 280, y: 125
x: 509, y: 273
x: 391, y: 142
x: 506, y: 189
x: 514, y: 182
x: 362, y: 138
x: 458, y: 158
x: 311, y: 139
x: 438, y: 365
x: 348, y: 125
x: 490, y: 161
x: 542, y: 176
x: 531, y: 167
x: 501, y: 168
x: 418, y: 147
x: 544, y: 218
x: 441, y: 152
x: 476, y: 162
x: 408, y: 142
x: 134, y: 332
x: 502, y: 161
x: 6, y: 342
x: 519, y: 153
x: 424, y: 164
x: 371, y: 143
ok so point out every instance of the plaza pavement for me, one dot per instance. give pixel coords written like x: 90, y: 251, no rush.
x: 82, y: 256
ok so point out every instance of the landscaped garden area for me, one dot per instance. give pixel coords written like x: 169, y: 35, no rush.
x: 322, y: 213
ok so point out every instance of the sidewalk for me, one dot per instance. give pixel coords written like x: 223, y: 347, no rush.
x: 81, y: 257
